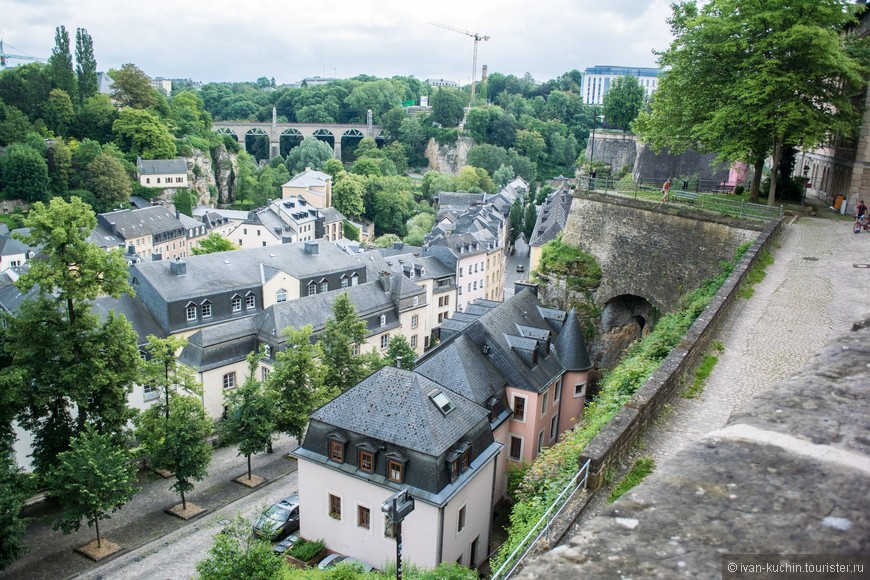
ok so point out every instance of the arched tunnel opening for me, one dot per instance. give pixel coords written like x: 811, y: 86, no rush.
x: 624, y: 319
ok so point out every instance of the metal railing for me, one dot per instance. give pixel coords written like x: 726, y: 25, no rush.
x: 543, y: 525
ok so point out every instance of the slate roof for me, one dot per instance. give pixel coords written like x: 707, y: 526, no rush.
x: 9, y: 246
x: 393, y: 405
x: 308, y: 179
x: 571, y: 335
x: 212, y: 273
x: 220, y: 344
x: 135, y: 223
x: 552, y: 217
x: 234, y: 215
x: 331, y: 215
x: 467, y: 370
x: 133, y: 310
x: 161, y: 166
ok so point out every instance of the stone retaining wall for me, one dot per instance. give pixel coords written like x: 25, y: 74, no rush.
x: 633, y: 419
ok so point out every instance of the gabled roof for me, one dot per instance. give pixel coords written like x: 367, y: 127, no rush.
x: 135, y: 223
x: 9, y: 246
x: 161, y: 166
x: 552, y: 217
x: 308, y: 179
x: 220, y: 344
x: 133, y: 310
x: 394, y: 405
x: 331, y: 215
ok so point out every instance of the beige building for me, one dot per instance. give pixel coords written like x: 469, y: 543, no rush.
x: 314, y: 186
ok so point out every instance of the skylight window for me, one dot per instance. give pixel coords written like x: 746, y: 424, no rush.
x: 444, y: 404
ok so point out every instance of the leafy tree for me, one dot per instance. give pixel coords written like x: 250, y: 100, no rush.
x: 390, y: 210
x: 108, y: 181
x: 503, y: 175
x: 59, y: 160
x: 26, y: 88
x: 13, y: 493
x: 413, y: 136
x: 399, y: 349
x: 380, y: 96
x: 312, y: 152
x: 86, y: 65
x: 747, y: 80
x: 448, y: 107
x: 367, y: 167
x: 297, y: 378
x: 334, y: 168
x: 25, y: 174
x: 95, y: 118
x: 212, y: 244
x: 175, y: 437
x: 237, y: 553
x: 472, y: 178
x: 367, y: 147
x: 162, y: 369
x: 189, y: 115
x: 13, y: 124
x: 529, y: 218
x: 60, y: 63
x: 250, y: 415
x: 347, y: 195
x: 184, y: 201
x: 142, y: 133
x: 343, y: 333
x: 623, y: 101
x: 58, y: 112
x: 94, y: 479
x: 515, y: 221
x: 531, y: 144
x: 132, y: 88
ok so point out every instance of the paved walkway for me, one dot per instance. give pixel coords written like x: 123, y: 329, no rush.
x: 142, y: 520
x: 811, y: 293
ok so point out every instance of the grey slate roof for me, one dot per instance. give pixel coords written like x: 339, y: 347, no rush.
x: 331, y: 215
x: 552, y: 217
x: 161, y: 166
x: 221, y: 344
x: 134, y: 311
x: 467, y: 371
x: 572, y: 357
x: 135, y: 223
x: 9, y: 246
x: 309, y: 178
x: 393, y: 405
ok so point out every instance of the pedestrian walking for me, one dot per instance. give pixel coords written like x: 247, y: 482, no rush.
x: 861, y: 218
x: 666, y: 188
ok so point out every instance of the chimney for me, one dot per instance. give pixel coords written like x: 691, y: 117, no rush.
x: 312, y: 248
x: 385, y: 280
x: 398, y: 362
x: 519, y: 286
x: 178, y: 267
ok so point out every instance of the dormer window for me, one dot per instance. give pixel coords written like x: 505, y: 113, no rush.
x: 312, y: 288
x: 337, y: 443
x: 250, y: 300
x: 267, y: 351
x: 190, y: 310
x: 459, y: 460
x: 354, y: 279
x: 383, y: 320
x: 281, y: 295
x: 237, y: 303
x: 416, y: 301
x: 344, y: 281
x: 366, y: 457
x: 206, y: 309
x: 442, y: 401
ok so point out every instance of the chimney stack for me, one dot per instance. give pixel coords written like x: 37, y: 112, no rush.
x: 312, y: 248
x: 178, y: 267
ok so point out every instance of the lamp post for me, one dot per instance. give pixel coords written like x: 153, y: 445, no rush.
x: 397, y: 507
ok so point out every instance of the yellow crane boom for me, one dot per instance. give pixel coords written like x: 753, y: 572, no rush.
x: 477, y: 38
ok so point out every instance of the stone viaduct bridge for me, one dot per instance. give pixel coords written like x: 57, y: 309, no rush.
x: 275, y: 130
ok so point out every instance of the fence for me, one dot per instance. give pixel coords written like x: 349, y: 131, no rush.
x: 543, y: 525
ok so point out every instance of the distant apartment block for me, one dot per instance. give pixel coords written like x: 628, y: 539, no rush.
x: 597, y: 81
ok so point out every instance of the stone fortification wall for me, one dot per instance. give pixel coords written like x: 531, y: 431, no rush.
x: 448, y: 158
x: 660, y: 166
x: 619, y: 150
x: 657, y: 252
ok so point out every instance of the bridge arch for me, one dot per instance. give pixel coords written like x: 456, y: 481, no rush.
x: 288, y: 139
x: 257, y: 143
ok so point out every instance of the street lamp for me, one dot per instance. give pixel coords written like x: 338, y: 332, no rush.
x: 397, y: 507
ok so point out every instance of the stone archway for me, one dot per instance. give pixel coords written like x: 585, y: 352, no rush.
x: 624, y: 319
x: 289, y: 139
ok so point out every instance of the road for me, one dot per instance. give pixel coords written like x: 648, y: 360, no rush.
x: 520, y: 257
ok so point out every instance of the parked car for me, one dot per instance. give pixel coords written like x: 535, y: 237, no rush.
x: 279, y: 520
x: 521, y: 268
x: 334, y: 560
x: 285, y: 544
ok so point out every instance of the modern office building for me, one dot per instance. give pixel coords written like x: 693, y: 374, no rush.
x: 597, y: 81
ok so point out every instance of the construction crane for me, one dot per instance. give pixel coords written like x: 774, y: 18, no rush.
x: 5, y: 55
x: 477, y: 38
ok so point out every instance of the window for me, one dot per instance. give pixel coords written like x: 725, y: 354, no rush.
x: 459, y: 290
x: 363, y: 517
x: 460, y: 272
x: 267, y: 351
x: 206, y: 309
x: 440, y: 317
x: 474, y: 285
x: 245, y: 231
x: 516, y: 450
x: 460, y: 521
x: 158, y: 180
x: 354, y: 279
x: 150, y: 392
x: 554, y: 427
x: 465, y: 459
x: 469, y: 286
x: 344, y: 281
x: 191, y: 312
x: 519, y: 408
x: 394, y: 471
x: 355, y: 350
x: 414, y: 341
x: 229, y: 380
x: 250, y: 300
x: 557, y: 394
x: 579, y: 390
x: 312, y: 288
x: 147, y: 180
x: 237, y: 303
x: 366, y: 461
x: 414, y: 320
x: 334, y: 507
x: 324, y: 287
x: 336, y: 450
x: 383, y: 320
x: 543, y: 403
x: 281, y: 295
x: 540, y: 441
x: 265, y: 374
x: 385, y: 340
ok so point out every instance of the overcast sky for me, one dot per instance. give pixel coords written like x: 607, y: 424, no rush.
x: 238, y: 40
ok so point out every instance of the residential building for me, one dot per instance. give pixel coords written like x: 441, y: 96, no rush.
x: 552, y: 217
x: 221, y: 221
x: 162, y: 173
x: 597, y: 81
x: 12, y: 252
x: 467, y: 257
x: 162, y: 84
x: 314, y: 186
x: 105, y: 84
x: 152, y: 233
x: 441, y: 83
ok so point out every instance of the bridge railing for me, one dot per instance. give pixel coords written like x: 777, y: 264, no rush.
x: 543, y: 526
x: 708, y: 201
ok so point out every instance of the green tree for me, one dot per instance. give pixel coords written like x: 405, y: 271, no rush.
x: 108, y: 181
x: 380, y: 96
x: 623, y: 101
x: 399, y: 349
x: 530, y: 216
x: 162, y: 369
x: 746, y: 80
x: 189, y: 115
x: 60, y: 63
x: 94, y: 479
x: 503, y: 175
x: 237, y: 553
x: 95, y: 119
x: 142, y: 133
x: 175, y: 437
x: 347, y: 195
x: 367, y: 167
x: 297, y: 378
x: 86, y: 65
x: 250, y: 414
x: 14, y: 491
x: 334, y: 168
x: 59, y: 160
x: 515, y: 221
x: 344, y: 333
x: 312, y: 152
x: 448, y: 107
x: 531, y: 144
x: 212, y: 244
x: 25, y: 173
x: 132, y: 88
x: 58, y: 112
x: 367, y: 147
x: 13, y: 124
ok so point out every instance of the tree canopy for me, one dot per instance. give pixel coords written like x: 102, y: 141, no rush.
x: 623, y: 101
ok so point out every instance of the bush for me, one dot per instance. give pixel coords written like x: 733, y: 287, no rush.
x: 306, y: 550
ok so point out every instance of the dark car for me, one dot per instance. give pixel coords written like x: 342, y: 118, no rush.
x: 521, y: 268
x: 279, y: 520
x: 285, y: 544
x: 334, y: 560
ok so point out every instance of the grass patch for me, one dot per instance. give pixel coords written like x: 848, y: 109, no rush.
x: 641, y: 468
x: 579, y: 268
x: 755, y: 275
x: 701, y: 373
x: 306, y: 549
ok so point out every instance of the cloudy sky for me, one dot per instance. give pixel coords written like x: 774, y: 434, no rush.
x: 236, y: 40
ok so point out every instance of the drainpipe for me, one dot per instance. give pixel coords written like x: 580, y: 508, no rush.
x: 439, y: 555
